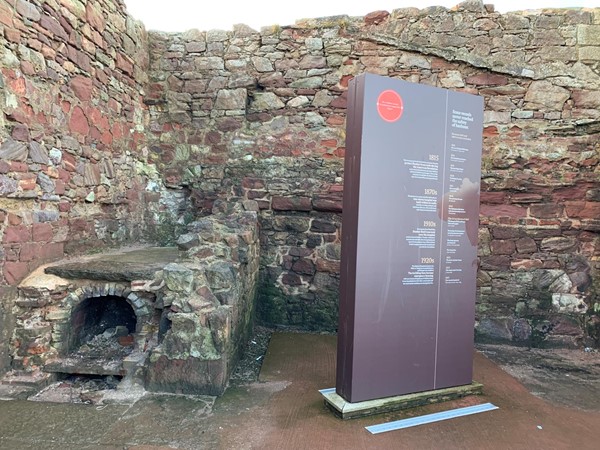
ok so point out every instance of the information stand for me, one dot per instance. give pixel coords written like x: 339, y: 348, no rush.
x: 409, y: 239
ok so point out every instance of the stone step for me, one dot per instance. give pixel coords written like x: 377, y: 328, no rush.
x: 86, y: 366
x: 36, y: 379
x: 19, y: 385
x: 15, y: 392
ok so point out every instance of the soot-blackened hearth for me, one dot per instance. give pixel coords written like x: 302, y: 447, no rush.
x: 102, y: 326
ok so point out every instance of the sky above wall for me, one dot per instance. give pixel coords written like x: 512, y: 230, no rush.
x: 181, y: 15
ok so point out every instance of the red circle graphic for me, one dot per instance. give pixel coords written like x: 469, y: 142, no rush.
x: 390, y: 105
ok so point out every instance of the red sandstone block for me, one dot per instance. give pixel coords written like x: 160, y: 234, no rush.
x: 28, y: 252
x: 59, y: 187
x: 291, y: 279
x: 327, y: 203
x: 490, y: 131
x: 493, y: 197
x: 304, y: 266
x: 340, y: 102
x: 124, y: 63
x: 502, y: 247
x: 291, y: 204
x: 14, y: 219
x: 17, y: 85
x: 487, y: 79
x: 510, y: 211
x: 16, y: 166
x: 14, y: 272
x: 498, y: 262
x: 525, y: 198
x: 64, y: 207
x: 52, y: 28
x: 42, y: 232
x: 263, y: 204
x: 69, y: 164
x: 27, y: 184
x: 19, y: 233
x: 325, y: 265
x: 376, y: 17
x: 526, y: 245
x: 78, y: 122
x: 82, y: 87
x: 335, y: 120
x: 51, y: 251
x: 253, y: 195
x: 125, y: 341
x: 11, y: 252
x: 546, y: 210
x: 345, y: 80
x: 330, y: 143
x: 12, y: 35
x: 583, y: 210
x: 6, y: 15
x: 340, y: 152
x: 253, y: 183
x: 94, y: 16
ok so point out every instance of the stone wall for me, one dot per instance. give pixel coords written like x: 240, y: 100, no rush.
x: 107, y: 131
x: 261, y: 115
x: 209, y: 302
x: 73, y: 172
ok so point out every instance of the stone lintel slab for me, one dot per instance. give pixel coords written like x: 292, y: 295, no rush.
x: 347, y: 410
x: 140, y: 264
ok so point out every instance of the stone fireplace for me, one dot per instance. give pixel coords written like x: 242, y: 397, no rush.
x: 169, y: 319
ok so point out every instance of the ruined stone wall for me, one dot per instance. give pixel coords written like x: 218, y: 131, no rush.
x: 72, y: 171
x: 261, y: 116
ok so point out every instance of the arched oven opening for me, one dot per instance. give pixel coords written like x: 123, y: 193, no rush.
x: 99, y: 338
x: 102, y: 326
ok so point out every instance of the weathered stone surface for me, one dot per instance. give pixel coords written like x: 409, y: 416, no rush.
x: 557, y: 244
x: 291, y: 204
x: 569, y: 303
x: 28, y: 10
x: 7, y: 185
x: 265, y: 101
x: 262, y: 64
x: 82, y: 87
x: 11, y: 150
x: 38, y: 153
x: 545, y: 95
x: 232, y: 99
x: 79, y: 122
x: 128, y: 266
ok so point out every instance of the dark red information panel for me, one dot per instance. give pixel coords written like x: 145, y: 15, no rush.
x: 409, y: 238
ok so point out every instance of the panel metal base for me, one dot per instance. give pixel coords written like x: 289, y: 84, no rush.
x: 347, y: 410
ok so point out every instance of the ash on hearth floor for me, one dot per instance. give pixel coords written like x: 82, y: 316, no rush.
x: 101, y: 390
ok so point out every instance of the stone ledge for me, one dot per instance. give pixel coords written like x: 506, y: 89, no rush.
x: 140, y: 264
x: 346, y: 410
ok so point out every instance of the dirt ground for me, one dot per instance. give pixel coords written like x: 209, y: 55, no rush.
x: 547, y: 399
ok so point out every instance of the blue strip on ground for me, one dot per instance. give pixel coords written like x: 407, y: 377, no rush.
x: 430, y: 418
x: 327, y: 391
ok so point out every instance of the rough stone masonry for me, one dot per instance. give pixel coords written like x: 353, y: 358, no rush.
x: 112, y: 135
